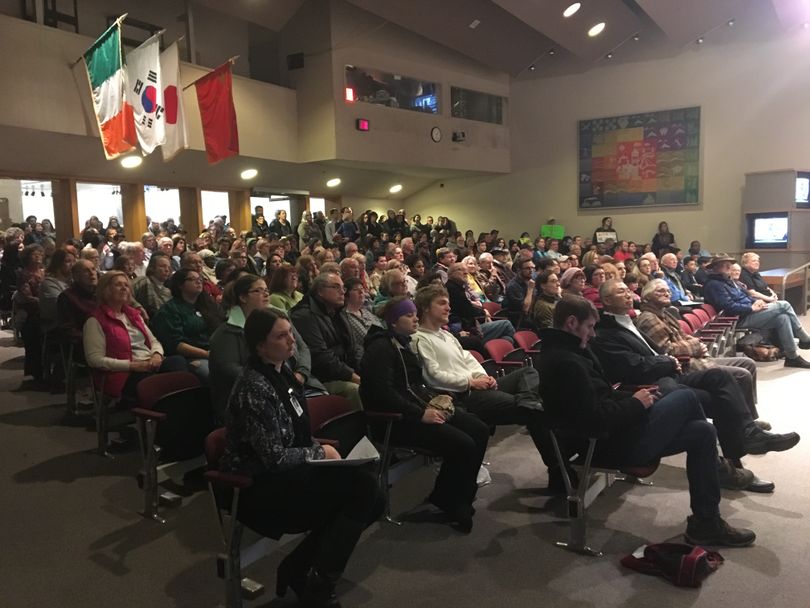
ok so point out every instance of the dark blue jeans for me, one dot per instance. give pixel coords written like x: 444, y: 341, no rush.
x: 676, y: 424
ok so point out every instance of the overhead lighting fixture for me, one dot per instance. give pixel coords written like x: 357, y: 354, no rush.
x: 730, y: 23
x: 349, y: 94
x: 249, y: 173
x: 699, y: 40
x: 596, y: 29
x: 636, y: 37
x: 609, y: 56
x: 572, y: 9
x: 474, y: 24
x: 552, y: 52
x: 333, y: 183
x: 395, y: 188
x: 130, y: 162
x: 806, y: 24
x: 532, y: 68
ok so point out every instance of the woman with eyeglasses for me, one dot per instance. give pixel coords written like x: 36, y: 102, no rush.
x: 185, y: 323
x: 283, y: 288
x: 118, y: 345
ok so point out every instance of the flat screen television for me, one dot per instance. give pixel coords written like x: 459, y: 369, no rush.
x: 767, y: 230
x: 803, y: 190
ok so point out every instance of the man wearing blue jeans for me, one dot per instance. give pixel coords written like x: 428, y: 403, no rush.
x: 723, y: 293
x: 634, y: 428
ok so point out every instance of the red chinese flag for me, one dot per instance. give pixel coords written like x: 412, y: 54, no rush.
x: 218, y: 115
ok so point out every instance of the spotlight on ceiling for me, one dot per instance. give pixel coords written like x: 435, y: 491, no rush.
x: 596, y: 29
x: 130, y: 162
x: 249, y: 174
x: 532, y: 68
x: 609, y: 56
x: 730, y: 22
x: 572, y: 9
x: 699, y: 40
x: 395, y: 188
x: 636, y: 37
x: 333, y: 183
x: 552, y: 52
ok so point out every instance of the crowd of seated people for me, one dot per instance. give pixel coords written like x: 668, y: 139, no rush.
x: 385, y: 314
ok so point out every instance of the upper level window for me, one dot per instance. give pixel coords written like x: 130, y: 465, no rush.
x: 392, y: 90
x: 474, y: 105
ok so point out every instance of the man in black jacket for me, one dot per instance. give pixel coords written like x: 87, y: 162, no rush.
x: 628, y: 357
x: 335, y: 354
x: 472, y: 318
x: 641, y: 427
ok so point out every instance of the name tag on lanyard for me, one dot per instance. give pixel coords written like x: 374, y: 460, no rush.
x: 294, y: 401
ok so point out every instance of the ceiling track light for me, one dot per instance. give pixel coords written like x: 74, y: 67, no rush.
x: 532, y: 68
x: 699, y: 40
x: 730, y: 23
x: 609, y: 56
x: 636, y: 37
x: 552, y: 52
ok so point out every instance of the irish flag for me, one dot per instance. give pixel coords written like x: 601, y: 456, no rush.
x: 116, y: 122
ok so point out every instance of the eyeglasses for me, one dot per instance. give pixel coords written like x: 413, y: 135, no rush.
x: 194, y: 279
x: 263, y: 290
x: 336, y: 286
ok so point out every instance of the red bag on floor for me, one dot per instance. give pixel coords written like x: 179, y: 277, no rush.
x: 683, y: 565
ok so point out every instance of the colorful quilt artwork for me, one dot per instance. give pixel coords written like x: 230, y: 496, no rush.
x: 640, y: 160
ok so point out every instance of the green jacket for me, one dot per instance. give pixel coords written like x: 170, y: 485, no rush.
x: 178, y: 321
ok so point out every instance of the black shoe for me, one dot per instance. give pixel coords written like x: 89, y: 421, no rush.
x: 715, y: 531
x: 760, y: 486
x: 763, y: 424
x: 804, y: 344
x: 461, y: 515
x: 288, y: 576
x: 319, y: 591
x: 758, y: 441
x: 732, y: 478
x: 797, y: 361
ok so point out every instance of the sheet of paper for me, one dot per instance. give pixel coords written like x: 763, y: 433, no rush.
x: 360, y: 454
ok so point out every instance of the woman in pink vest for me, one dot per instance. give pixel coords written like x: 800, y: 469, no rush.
x: 118, y: 345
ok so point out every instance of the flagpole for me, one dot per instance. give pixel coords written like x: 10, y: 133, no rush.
x: 232, y: 61
x: 115, y: 23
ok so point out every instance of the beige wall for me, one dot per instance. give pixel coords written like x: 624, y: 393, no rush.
x: 755, y: 117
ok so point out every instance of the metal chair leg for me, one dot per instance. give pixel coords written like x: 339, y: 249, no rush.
x: 150, y: 452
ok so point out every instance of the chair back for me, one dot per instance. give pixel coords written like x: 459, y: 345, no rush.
x: 324, y: 408
x: 189, y: 420
x: 526, y: 339
x: 499, y: 348
x: 493, y: 308
x: 710, y: 310
x: 332, y: 417
x: 693, y: 321
x: 151, y: 389
x: 215, y: 447
x: 702, y: 315
x: 476, y: 355
x: 685, y: 328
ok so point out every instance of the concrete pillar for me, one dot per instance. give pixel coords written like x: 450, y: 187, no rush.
x: 65, y: 209
x: 191, y: 211
x: 239, y: 210
x: 133, y: 204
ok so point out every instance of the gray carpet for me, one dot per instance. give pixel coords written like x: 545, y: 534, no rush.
x: 72, y: 536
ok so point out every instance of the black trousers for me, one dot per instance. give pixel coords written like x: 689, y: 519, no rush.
x: 461, y: 442
x: 503, y: 406
x: 32, y: 341
x: 724, y: 403
x: 334, y: 503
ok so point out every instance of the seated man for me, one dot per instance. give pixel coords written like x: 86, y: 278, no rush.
x: 722, y: 293
x: 640, y: 426
x: 519, y: 298
x: 627, y: 357
x: 469, y: 313
x: 669, y: 266
x: 512, y: 399
x: 662, y: 330
x: 756, y: 286
x: 444, y: 258
x: 335, y: 354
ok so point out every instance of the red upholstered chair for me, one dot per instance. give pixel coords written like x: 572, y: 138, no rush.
x: 492, y: 307
x: 333, y: 421
x: 490, y: 367
x: 527, y: 340
x: 505, y: 355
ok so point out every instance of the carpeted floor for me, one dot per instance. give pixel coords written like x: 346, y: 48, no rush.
x: 72, y: 537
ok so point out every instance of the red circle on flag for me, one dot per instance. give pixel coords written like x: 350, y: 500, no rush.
x: 149, y: 99
x: 170, y: 101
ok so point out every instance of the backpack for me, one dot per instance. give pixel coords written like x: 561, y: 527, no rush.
x: 683, y: 565
x: 754, y: 347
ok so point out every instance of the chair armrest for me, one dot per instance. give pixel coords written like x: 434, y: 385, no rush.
x: 504, y: 363
x: 384, y: 416
x: 231, y: 480
x: 142, y: 412
x: 333, y: 442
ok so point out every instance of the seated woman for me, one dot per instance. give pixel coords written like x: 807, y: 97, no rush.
x: 594, y: 277
x: 269, y: 438
x: 547, y: 297
x: 283, y: 288
x: 476, y: 288
x: 392, y: 382
x: 118, y: 345
x: 26, y: 307
x: 57, y: 279
x: 228, y: 354
x: 185, y: 323
x: 358, y: 317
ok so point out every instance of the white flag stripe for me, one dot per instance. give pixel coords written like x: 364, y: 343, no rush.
x: 107, y: 97
x: 145, y: 94
x: 176, y: 137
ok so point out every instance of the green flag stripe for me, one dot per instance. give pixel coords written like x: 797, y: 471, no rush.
x: 103, y: 59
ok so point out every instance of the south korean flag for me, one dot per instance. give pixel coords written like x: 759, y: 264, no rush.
x: 145, y: 94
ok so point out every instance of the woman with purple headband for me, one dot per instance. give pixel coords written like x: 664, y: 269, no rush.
x: 392, y: 382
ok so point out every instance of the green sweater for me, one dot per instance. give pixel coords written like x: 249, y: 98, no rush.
x: 178, y: 321
x: 284, y: 302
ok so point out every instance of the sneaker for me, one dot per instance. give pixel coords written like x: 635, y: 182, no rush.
x: 758, y: 441
x: 732, y: 478
x: 715, y: 531
x: 797, y: 361
x: 763, y: 424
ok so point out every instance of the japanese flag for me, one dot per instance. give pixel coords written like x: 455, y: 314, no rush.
x: 145, y: 94
x: 176, y: 138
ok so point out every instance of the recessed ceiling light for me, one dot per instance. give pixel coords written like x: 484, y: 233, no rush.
x: 532, y: 68
x: 130, y: 162
x: 596, y: 29
x: 552, y: 52
x: 573, y: 8
x: 730, y: 22
x: 699, y: 40
x: 636, y: 37
x: 249, y: 173
x: 333, y: 183
x: 395, y: 188
x: 609, y: 56
x: 474, y: 24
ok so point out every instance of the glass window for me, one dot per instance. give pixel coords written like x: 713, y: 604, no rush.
x: 391, y: 90
x: 271, y: 205
x: 161, y: 204
x: 214, y: 204
x: 317, y: 204
x: 101, y: 200
x: 37, y: 199
x: 474, y: 105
